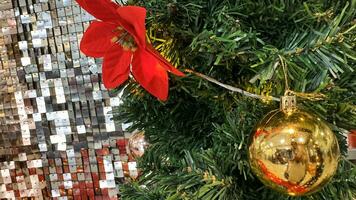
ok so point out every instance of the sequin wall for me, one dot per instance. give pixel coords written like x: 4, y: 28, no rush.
x: 58, y: 140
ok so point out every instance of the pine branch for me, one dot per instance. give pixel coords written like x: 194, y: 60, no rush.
x: 199, y: 136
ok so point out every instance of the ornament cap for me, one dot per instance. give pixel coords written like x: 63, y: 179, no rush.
x: 288, y: 103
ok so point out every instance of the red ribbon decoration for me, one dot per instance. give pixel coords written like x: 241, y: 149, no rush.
x: 147, y: 66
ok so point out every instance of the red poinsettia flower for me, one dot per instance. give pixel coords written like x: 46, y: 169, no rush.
x: 120, y: 37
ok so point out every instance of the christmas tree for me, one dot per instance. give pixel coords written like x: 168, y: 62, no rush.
x: 199, y: 136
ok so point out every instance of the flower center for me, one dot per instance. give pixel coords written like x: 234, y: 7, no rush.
x: 124, y: 39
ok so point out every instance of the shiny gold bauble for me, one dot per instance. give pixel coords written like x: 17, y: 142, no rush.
x: 295, y: 153
x: 138, y: 144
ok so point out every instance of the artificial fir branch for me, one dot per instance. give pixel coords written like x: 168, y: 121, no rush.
x: 205, y: 128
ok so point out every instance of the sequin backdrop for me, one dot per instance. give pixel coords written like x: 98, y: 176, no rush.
x: 57, y: 139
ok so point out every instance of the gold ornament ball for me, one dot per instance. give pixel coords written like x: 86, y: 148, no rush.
x: 138, y: 144
x: 295, y: 153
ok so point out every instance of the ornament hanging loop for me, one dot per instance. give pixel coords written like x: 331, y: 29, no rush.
x: 288, y: 102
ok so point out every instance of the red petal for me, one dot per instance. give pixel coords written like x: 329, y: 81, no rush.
x: 150, y: 74
x: 116, y: 66
x: 132, y: 19
x: 105, y: 10
x: 97, y: 39
x: 168, y: 66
